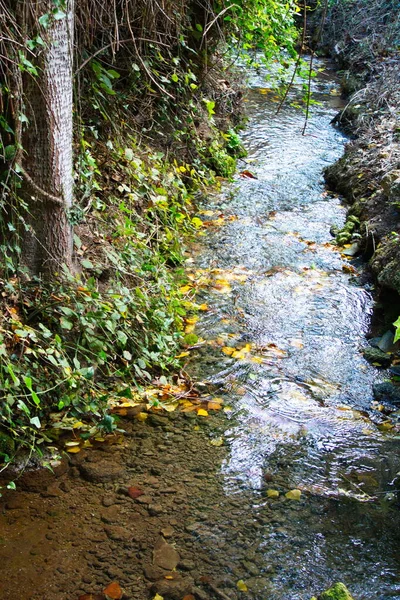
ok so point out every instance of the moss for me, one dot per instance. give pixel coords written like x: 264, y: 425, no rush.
x: 337, y: 592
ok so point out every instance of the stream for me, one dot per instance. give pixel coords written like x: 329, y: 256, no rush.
x: 282, y: 337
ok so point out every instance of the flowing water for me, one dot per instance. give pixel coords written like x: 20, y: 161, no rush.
x: 286, y: 322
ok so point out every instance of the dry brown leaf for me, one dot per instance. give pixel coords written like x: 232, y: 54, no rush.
x: 113, y: 591
x: 135, y: 492
x: 247, y: 174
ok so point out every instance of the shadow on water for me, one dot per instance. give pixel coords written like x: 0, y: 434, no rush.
x: 300, y: 390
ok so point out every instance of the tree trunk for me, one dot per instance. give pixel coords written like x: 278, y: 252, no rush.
x: 47, y: 147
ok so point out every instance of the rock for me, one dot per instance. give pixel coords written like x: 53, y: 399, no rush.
x: 175, y: 589
x: 111, y: 514
x: 155, y: 509
x: 153, y: 573
x: 251, y: 568
x: 101, y: 472
x: 165, y: 555
x: 109, y: 500
x: 37, y: 479
x: 386, y: 392
x: 53, y: 491
x: 118, y: 534
x: 187, y: 565
x: 386, y: 342
x: 144, y: 499
x: 167, y: 531
x: 200, y: 594
x: 157, y: 420
x: 376, y: 356
x: 337, y: 592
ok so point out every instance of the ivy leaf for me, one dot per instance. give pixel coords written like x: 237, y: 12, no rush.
x: 44, y: 20
x: 65, y: 324
x: 58, y: 14
x: 36, y: 422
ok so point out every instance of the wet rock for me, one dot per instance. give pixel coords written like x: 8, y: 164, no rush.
x: 386, y: 392
x: 175, y: 589
x: 376, y: 356
x: 259, y: 585
x: 101, y: 472
x: 337, y: 592
x: 165, y: 555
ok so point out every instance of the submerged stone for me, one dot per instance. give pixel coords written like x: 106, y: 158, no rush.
x: 337, y: 592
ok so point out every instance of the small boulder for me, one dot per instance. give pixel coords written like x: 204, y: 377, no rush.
x: 376, y: 357
x: 101, y: 472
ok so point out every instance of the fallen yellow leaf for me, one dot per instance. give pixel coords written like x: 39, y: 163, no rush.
x: 192, y: 320
x: 228, y: 350
x: 142, y: 416
x: 272, y: 493
x: 241, y: 586
x: 74, y: 450
x: 182, y: 354
x: 213, y: 406
x: 203, y: 307
x: 184, y: 289
x: 217, y: 442
x: 293, y: 495
x: 202, y: 413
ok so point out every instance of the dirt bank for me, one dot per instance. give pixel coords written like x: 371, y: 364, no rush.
x: 363, y: 43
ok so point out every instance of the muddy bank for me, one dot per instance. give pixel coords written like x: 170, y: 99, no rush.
x: 147, y: 512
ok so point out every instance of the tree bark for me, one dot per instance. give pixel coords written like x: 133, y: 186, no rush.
x: 47, y: 162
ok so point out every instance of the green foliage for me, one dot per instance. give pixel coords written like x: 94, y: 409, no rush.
x: 265, y: 25
x: 67, y: 347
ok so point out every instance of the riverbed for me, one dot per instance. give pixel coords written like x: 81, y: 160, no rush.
x: 288, y: 320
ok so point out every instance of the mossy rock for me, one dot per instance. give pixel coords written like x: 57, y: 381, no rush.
x: 337, y: 592
x: 7, y: 445
x: 376, y: 356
